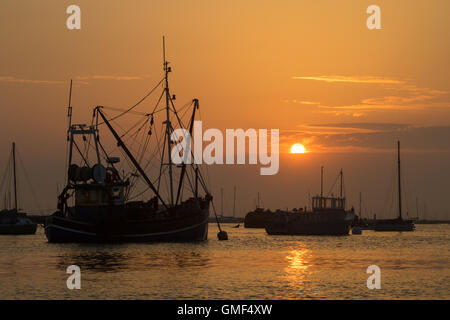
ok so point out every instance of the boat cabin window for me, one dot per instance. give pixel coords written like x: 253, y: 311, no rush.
x: 328, y: 203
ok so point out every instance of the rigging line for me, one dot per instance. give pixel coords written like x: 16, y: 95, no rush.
x: 141, y: 147
x: 81, y: 154
x: 139, y: 194
x: 7, y: 171
x: 27, y: 178
x: 332, y: 187
x: 88, y: 144
x: 162, y: 164
x: 136, y: 104
x: 133, y: 126
x: 158, y: 148
x: 207, y: 170
x: 120, y: 127
x: 146, y: 136
x: 145, y: 146
x: 138, y: 113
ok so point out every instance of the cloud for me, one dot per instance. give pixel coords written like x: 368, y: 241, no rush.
x: 80, y: 79
x: 369, y: 137
x: 401, y: 96
x: 366, y: 79
x: 110, y: 77
x: 29, y: 81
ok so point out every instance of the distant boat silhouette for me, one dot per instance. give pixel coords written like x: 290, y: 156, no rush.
x: 328, y: 217
x: 398, y: 224
x: 258, y: 217
x: 12, y: 221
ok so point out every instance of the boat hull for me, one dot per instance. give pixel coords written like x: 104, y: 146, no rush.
x: 18, y: 228
x: 323, y: 223
x: 187, y: 226
x: 256, y: 219
x: 395, y: 227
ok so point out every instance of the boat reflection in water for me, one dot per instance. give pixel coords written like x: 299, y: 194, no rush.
x: 109, y: 259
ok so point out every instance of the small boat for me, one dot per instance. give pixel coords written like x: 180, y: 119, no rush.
x: 398, y: 224
x: 356, y: 230
x: 329, y: 216
x: 12, y: 221
x: 257, y: 218
x: 98, y: 204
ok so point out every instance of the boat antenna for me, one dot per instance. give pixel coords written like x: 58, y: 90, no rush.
x: 167, y: 69
x: 14, y: 171
x: 399, y: 182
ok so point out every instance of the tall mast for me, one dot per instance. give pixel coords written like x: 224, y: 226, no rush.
x: 167, y: 122
x: 360, y: 204
x: 69, y: 136
x: 399, y: 183
x: 341, y: 183
x: 417, y: 207
x: 221, y: 201
x: 234, y: 202
x: 69, y: 109
x: 14, y: 169
x: 257, y: 205
x: 321, y: 181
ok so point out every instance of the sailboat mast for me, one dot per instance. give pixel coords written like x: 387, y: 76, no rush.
x: 167, y: 122
x: 221, y: 201
x: 234, y: 202
x: 417, y: 207
x: 341, y: 183
x: 69, y: 109
x: 360, y: 204
x: 257, y: 205
x: 321, y: 181
x: 14, y: 170
x: 399, y: 182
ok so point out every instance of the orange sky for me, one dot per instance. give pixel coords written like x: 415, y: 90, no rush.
x: 310, y: 68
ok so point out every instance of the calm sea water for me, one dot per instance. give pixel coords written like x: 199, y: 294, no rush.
x: 251, y: 265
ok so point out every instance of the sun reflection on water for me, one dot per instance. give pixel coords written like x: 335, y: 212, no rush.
x: 298, y: 260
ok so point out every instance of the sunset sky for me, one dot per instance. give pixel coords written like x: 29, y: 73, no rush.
x: 309, y: 68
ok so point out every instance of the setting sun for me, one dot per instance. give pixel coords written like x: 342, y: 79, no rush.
x: 298, y: 148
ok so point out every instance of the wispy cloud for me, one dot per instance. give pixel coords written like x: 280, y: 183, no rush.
x: 29, y: 81
x: 301, y: 102
x: 368, y: 137
x: 80, y: 79
x: 350, y: 79
x: 402, y: 95
x: 111, y: 77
